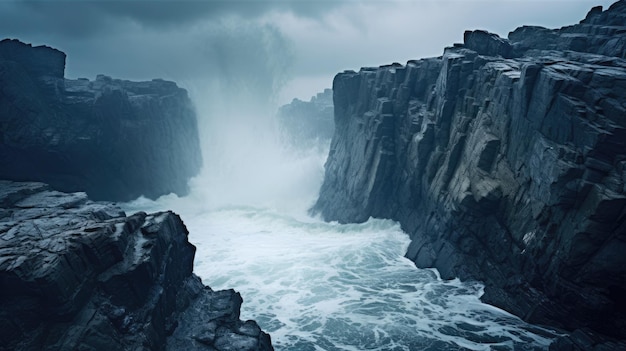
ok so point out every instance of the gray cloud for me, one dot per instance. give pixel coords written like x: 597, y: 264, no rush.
x: 251, y: 60
x: 253, y: 45
x: 171, y: 12
x: 68, y: 19
x: 79, y: 19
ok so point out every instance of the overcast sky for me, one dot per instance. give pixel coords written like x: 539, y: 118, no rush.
x: 272, y: 49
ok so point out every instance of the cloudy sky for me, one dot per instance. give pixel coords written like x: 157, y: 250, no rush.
x: 274, y: 50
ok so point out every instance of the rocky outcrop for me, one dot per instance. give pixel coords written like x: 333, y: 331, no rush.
x: 114, y: 139
x: 81, y: 275
x: 305, y: 124
x: 505, y: 161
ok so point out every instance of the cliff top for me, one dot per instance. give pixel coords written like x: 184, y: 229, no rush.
x: 40, y: 61
x: 45, y: 62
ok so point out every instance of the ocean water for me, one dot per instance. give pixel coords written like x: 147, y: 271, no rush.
x: 327, y: 286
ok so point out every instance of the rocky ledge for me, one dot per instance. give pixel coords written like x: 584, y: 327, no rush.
x: 81, y: 275
x: 505, y: 161
x: 114, y: 139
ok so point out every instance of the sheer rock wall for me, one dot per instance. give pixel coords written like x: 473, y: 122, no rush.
x: 504, y: 160
x: 114, y: 139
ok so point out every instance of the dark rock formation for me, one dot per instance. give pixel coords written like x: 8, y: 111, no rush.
x: 585, y: 340
x: 114, y: 139
x: 81, y: 275
x: 505, y: 161
x: 306, y: 124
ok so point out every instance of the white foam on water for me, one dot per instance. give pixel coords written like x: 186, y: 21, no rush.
x: 315, y: 285
x: 326, y: 286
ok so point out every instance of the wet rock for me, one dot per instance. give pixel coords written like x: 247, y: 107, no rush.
x: 503, y: 166
x: 586, y: 340
x: 81, y: 275
x: 488, y: 44
x: 114, y: 139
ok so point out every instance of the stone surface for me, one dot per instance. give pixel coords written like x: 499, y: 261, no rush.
x: 505, y: 161
x: 306, y: 124
x: 114, y: 139
x: 81, y: 275
x: 586, y: 340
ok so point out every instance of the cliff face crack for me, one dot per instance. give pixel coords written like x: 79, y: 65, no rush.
x: 507, y: 166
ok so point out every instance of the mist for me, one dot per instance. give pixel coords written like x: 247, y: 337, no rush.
x: 245, y: 162
x: 310, y: 284
x: 240, y: 60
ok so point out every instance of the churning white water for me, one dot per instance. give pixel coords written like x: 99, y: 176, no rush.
x: 314, y: 285
x: 325, y: 286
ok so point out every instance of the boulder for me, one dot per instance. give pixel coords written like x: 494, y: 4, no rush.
x: 82, y: 275
x: 485, y: 43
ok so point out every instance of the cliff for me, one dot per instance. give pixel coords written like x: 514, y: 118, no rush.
x: 81, y: 275
x: 305, y: 124
x: 114, y: 139
x: 504, y: 160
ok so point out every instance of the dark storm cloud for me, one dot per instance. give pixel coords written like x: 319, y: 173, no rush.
x: 64, y: 18
x: 71, y: 18
x: 254, y: 46
x: 179, y: 40
x: 164, y: 12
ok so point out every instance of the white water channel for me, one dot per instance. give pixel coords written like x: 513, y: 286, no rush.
x: 326, y: 286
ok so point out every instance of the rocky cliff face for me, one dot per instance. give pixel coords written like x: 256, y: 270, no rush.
x: 114, y: 139
x: 505, y: 161
x: 81, y: 275
x: 306, y: 124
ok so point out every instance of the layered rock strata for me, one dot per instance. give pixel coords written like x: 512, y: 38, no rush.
x: 81, y: 275
x: 114, y: 139
x: 504, y: 160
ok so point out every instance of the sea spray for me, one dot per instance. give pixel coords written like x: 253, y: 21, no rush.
x: 314, y: 285
x: 326, y: 286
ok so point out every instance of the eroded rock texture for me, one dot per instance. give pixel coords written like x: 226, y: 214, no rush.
x: 505, y: 161
x: 112, y: 138
x: 81, y: 275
